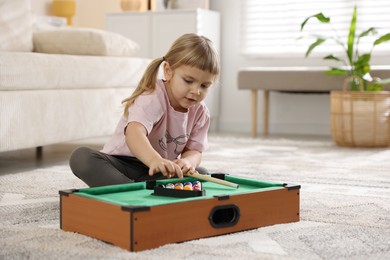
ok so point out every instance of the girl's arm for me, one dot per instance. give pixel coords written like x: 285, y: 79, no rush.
x: 189, y: 160
x: 137, y: 141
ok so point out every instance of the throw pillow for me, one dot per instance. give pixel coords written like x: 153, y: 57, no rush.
x: 16, y: 25
x: 83, y: 41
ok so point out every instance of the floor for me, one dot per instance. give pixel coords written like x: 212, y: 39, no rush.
x: 26, y: 159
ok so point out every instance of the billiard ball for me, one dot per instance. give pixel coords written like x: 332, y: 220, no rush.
x: 187, y: 183
x: 197, y: 188
x: 179, y: 186
x: 187, y: 187
x: 197, y: 185
x: 170, y: 186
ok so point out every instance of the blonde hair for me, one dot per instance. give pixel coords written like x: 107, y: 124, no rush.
x: 189, y: 49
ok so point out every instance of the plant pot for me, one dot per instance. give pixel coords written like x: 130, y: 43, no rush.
x: 360, y: 119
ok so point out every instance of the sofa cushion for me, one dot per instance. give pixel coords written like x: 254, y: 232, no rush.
x: 16, y: 25
x: 83, y: 41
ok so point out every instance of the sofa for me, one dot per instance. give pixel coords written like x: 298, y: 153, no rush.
x: 60, y: 84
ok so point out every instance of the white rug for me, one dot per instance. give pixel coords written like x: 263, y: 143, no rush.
x: 345, y: 207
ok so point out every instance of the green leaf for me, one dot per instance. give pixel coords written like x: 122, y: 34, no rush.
x: 382, y: 39
x: 314, y: 45
x: 320, y: 17
x: 362, y: 69
x: 363, y: 60
x: 372, y: 31
x: 332, y: 57
x: 374, y: 87
x: 337, y: 72
x: 351, y: 36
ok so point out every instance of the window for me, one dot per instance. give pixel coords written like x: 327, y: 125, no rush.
x: 272, y: 28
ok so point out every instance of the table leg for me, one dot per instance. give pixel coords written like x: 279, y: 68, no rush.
x: 266, y: 113
x: 39, y: 152
x: 254, y: 112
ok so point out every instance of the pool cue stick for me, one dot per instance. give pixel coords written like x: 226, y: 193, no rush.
x: 197, y: 175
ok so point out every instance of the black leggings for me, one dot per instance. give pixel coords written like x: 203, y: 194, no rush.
x: 99, y: 169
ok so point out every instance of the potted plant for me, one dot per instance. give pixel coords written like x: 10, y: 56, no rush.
x: 360, y: 113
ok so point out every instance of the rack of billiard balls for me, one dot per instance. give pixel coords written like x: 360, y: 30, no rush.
x: 180, y: 189
x: 195, y: 185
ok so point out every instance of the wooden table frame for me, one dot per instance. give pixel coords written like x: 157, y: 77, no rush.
x: 137, y: 228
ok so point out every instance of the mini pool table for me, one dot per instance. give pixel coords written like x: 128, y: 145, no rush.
x: 134, y: 217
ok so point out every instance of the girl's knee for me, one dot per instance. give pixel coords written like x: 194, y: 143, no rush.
x: 80, y: 160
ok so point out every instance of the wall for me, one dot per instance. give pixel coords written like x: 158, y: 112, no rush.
x: 91, y: 13
x: 289, y: 113
x: 40, y: 7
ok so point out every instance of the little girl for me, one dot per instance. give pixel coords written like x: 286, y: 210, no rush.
x: 163, y: 130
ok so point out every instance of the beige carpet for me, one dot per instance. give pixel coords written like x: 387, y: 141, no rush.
x: 345, y: 207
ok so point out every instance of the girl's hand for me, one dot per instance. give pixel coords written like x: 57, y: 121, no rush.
x: 168, y: 168
x: 185, y: 165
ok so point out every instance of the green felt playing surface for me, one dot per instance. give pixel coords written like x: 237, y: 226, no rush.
x: 136, y: 194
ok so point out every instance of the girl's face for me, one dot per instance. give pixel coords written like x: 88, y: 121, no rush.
x: 186, y: 86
